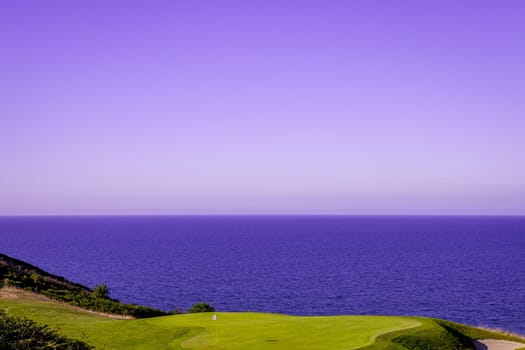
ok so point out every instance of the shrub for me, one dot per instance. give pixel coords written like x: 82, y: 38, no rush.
x: 201, y: 307
x: 35, y: 278
x: 18, y: 333
x: 101, y: 291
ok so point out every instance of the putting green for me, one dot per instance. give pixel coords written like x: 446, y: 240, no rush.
x: 198, y: 331
x: 261, y: 331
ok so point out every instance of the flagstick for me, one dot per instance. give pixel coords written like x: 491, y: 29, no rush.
x: 214, y: 318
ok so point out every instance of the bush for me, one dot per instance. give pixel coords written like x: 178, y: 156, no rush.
x: 18, y: 333
x: 201, y: 307
x: 101, y: 291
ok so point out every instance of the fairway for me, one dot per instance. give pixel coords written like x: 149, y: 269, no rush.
x: 199, y: 331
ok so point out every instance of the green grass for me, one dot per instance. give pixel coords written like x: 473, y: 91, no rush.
x: 247, y: 330
x: 199, y: 331
x: 260, y: 331
x: 104, y: 333
x: 19, y: 333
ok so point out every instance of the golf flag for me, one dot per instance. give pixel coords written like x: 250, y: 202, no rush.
x: 214, y: 317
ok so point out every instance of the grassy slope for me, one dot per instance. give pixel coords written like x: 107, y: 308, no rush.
x: 97, y: 330
x: 19, y: 274
x: 197, y: 331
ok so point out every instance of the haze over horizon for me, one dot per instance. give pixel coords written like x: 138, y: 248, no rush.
x: 327, y: 107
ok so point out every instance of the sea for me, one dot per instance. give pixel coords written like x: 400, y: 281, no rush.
x: 469, y: 269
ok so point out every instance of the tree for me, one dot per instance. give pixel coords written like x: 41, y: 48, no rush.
x: 201, y: 307
x: 101, y: 291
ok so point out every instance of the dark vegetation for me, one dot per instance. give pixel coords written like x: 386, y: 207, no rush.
x: 18, y: 333
x: 439, y: 334
x: 444, y: 337
x: 19, y: 274
x: 201, y: 307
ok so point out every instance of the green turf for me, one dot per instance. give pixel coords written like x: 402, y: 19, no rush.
x: 264, y: 331
x: 248, y: 330
x: 199, y: 331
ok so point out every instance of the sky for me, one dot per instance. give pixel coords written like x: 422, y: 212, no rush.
x: 262, y: 107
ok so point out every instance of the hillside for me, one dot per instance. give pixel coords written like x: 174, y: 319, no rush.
x: 19, y: 274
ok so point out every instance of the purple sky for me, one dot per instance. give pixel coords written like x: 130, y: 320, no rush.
x: 262, y: 107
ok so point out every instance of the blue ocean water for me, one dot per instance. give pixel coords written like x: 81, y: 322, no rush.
x: 465, y: 269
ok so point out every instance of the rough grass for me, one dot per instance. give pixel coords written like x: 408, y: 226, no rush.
x: 438, y: 334
x: 102, y: 332
x: 502, y: 332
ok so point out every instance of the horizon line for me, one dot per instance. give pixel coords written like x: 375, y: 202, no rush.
x: 255, y: 214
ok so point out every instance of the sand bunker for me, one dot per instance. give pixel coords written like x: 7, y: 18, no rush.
x: 494, y: 344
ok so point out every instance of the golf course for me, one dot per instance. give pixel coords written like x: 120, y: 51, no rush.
x: 243, y: 330
x: 199, y: 331
x: 31, y: 298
